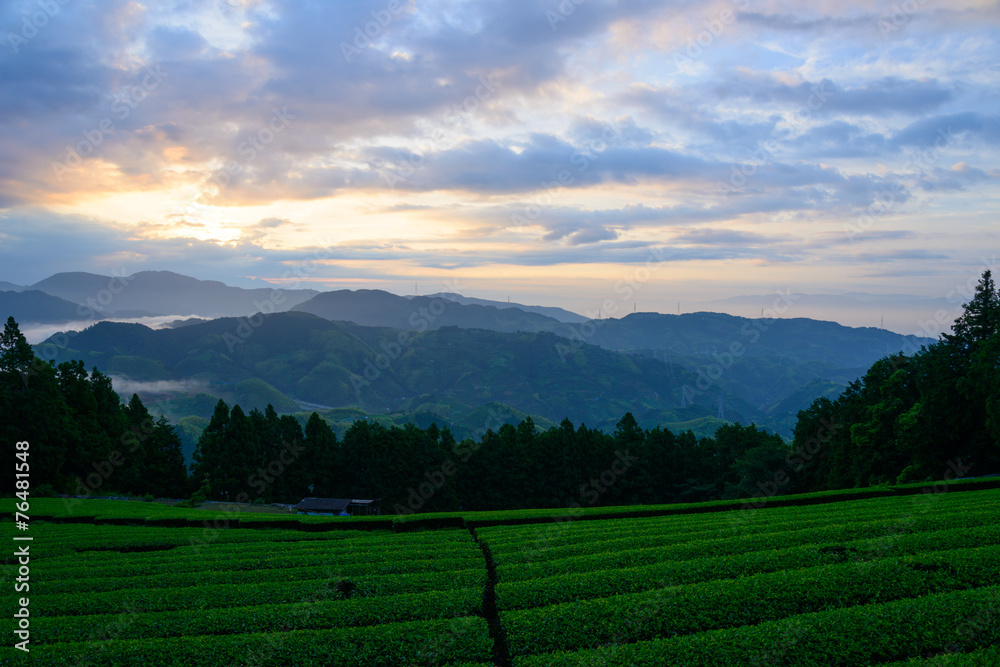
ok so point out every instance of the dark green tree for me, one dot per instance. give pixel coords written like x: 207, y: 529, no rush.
x: 210, y: 455
x: 166, y: 475
x: 321, y: 457
x: 980, y: 319
x: 32, y: 409
x: 87, y: 440
x: 139, y: 450
x: 913, y: 418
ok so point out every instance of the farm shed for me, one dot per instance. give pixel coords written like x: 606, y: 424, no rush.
x: 337, y: 506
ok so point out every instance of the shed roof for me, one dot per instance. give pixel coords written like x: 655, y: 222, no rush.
x: 323, y: 504
x: 329, y: 504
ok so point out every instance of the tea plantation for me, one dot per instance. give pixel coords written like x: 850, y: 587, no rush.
x: 902, y: 577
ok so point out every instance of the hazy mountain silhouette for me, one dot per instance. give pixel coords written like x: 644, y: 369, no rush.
x: 346, y: 350
x: 382, y: 309
x: 560, y: 314
x: 709, y: 334
x: 896, y: 312
x: 36, y: 306
x: 452, y: 371
x: 166, y: 293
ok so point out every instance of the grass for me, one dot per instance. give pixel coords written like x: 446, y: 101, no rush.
x: 889, y: 575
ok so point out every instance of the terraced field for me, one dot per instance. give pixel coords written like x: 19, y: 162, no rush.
x: 255, y: 597
x: 886, y: 580
x: 851, y: 583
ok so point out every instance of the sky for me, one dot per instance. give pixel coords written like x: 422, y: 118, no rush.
x: 571, y: 153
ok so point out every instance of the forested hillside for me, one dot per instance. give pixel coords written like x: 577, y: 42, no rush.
x: 908, y: 417
x: 706, y: 367
x: 914, y: 418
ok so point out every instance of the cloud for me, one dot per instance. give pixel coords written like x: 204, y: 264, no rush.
x: 957, y: 178
x: 466, y: 114
x: 711, y: 236
x: 592, y: 235
x: 127, y: 387
x: 943, y: 130
x: 885, y: 96
x: 36, y: 333
x: 839, y: 139
x: 793, y: 23
x: 272, y: 223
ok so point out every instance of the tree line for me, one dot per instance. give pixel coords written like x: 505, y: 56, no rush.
x: 262, y: 455
x: 909, y: 418
x: 83, y: 439
x: 917, y: 417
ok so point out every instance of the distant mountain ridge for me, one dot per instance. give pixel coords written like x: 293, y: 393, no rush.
x: 339, y: 364
x: 703, y: 366
x: 36, y: 306
x: 377, y: 308
x: 88, y: 296
x: 896, y: 312
x: 704, y: 334
x: 716, y: 365
x: 166, y: 293
x: 554, y: 312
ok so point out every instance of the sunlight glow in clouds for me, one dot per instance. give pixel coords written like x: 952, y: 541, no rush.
x: 830, y: 147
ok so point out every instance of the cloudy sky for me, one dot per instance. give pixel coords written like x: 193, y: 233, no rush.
x: 557, y: 152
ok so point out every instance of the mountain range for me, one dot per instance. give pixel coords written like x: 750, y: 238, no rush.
x: 706, y: 368
x: 377, y: 308
x: 164, y: 293
x: 145, y: 294
x: 445, y: 357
